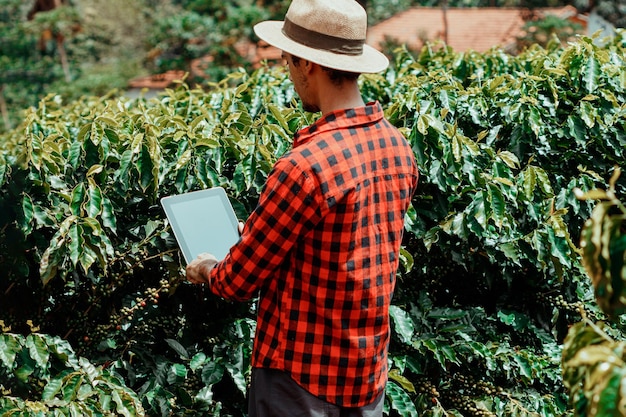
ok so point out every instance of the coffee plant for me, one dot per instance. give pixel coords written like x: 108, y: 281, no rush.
x: 593, y: 358
x: 491, y: 278
x: 47, y: 367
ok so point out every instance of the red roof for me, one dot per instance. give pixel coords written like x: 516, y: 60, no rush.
x: 477, y: 29
x: 157, y: 81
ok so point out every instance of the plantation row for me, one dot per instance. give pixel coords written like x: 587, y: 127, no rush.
x: 97, y: 319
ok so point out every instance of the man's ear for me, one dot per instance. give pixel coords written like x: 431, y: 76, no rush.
x: 309, y: 66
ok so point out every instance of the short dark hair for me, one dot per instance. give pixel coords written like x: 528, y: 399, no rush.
x: 336, y: 76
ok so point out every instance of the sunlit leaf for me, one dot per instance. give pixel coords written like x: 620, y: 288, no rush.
x: 38, y: 351
x: 177, y: 373
x: 9, y: 346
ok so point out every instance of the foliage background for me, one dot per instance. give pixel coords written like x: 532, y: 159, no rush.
x: 95, y: 316
x: 108, y: 43
x: 491, y: 278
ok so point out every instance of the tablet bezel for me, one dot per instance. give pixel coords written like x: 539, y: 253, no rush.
x: 215, y: 197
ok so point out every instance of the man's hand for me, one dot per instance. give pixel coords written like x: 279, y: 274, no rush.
x: 199, y: 269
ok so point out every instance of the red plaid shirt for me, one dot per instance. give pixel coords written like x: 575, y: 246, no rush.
x: 321, y: 252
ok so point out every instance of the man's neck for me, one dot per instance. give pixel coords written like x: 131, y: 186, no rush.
x: 346, y: 96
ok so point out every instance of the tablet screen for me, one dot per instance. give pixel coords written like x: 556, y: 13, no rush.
x: 202, y: 221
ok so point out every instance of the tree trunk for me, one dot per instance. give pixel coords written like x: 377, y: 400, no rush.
x: 63, y: 56
x: 444, y: 10
x: 43, y: 6
x: 4, y: 110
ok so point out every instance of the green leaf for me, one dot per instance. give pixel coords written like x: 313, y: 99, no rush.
x: 74, y: 154
x: 78, y: 197
x: 89, y: 369
x: 94, y: 205
x: 577, y: 129
x: 205, y: 395
x: 49, y: 263
x: 9, y: 347
x: 536, y: 177
x: 62, y: 350
x: 52, y: 388
x: 524, y: 367
x: 198, y: 360
x: 3, y: 172
x: 400, y: 400
x: 154, y: 150
x: 136, y: 144
x: 24, y: 371
x: 38, y: 351
x: 560, y: 248
x: 89, y: 255
x: 406, y: 259
x: 212, y: 373
x: 509, y: 158
x: 178, y: 348
x: 95, y: 169
x: 71, y: 384
x: 123, y: 172
x: 184, y: 159
x: 406, y: 385
x: 478, y: 210
x: 177, y: 374
x: 443, y: 352
x: 588, y: 114
x: 76, y: 243
x: 497, y: 204
x: 108, y: 217
x: 235, y: 367
x: 27, y: 211
x: 591, y: 74
x: 515, y: 319
x: 35, y: 149
x: 534, y: 119
x: 145, y: 166
x: 83, y: 133
x: 278, y: 116
x: 125, y: 406
x: 403, y: 324
x: 606, y: 401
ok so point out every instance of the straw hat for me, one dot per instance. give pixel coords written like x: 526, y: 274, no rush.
x: 330, y: 33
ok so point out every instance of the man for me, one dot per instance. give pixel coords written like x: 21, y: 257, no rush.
x: 321, y: 248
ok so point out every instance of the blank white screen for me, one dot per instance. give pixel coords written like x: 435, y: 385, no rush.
x: 203, y: 222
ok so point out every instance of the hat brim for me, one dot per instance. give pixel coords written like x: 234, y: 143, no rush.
x: 371, y: 61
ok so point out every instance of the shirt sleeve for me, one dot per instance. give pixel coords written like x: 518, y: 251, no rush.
x: 287, y: 208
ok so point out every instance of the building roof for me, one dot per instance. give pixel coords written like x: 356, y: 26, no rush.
x: 477, y: 29
x: 157, y: 81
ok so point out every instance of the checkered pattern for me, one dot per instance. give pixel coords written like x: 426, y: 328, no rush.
x: 321, y: 252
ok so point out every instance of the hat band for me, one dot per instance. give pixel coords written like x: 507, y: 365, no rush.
x: 322, y: 41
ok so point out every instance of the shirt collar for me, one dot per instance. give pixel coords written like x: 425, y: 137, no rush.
x: 370, y: 113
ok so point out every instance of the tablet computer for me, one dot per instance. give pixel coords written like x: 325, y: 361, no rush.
x: 202, y: 221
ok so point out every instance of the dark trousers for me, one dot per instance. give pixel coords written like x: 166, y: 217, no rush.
x: 274, y: 394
